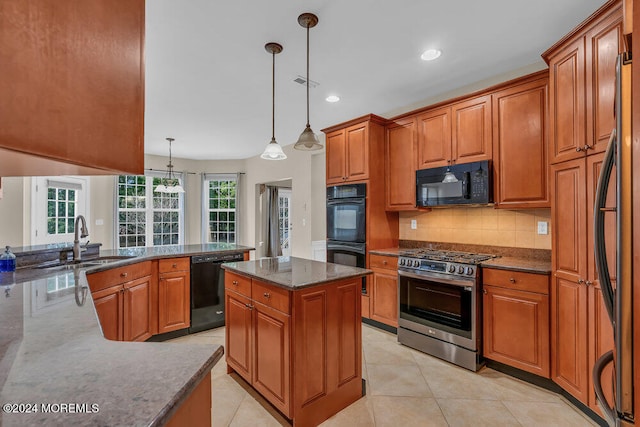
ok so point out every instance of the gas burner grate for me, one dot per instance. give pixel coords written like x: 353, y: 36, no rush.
x: 447, y: 256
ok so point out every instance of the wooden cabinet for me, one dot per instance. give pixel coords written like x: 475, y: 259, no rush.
x: 434, y: 138
x: 400, y: 156
x: 516, y: 319
x: 122, y: 298
x: 348, y: 153
x: 195, y: 411
x: 520, y: 145
x: 471, y: 130
x: 300, y: 349
x: 78, y: 72
x: 174, y: 294
x: 582, y: 85
x: 384, y: 289
x: 580, y: 333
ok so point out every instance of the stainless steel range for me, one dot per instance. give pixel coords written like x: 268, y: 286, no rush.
x: 440, y: 305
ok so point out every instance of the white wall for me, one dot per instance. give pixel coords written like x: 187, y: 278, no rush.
x: 11, y: 212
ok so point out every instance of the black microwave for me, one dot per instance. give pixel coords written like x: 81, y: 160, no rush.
x: 461, y: 184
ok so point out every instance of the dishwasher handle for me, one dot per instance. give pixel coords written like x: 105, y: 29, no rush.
x: 200, y: 259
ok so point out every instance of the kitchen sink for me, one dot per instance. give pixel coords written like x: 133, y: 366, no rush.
x: 72, y: 265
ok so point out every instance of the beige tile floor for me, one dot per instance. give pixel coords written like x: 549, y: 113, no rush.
x: 404, y: 388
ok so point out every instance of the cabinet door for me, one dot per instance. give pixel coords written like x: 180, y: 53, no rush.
x: 569, y: 337
x: 471, y: 130
x: 434, y: 138
x: 238, y: 333
x: 567, y: 102
x: 520, y: 146
x: 109, y: 307
x: 357, y: 152
x: 137, y: 309
x: 336, y: 157
x: 384, y: 297
x: 271, y: 356
x: 58, y: 61
x: 603, y: 44
x: 174, y: 302
x: 600, y: 341
x: 569, y: 219
x: 516, y: 329
x: 400, y: 155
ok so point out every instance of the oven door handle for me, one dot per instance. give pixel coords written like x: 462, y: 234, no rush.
x: 354, y: 201
x: 439, y: 277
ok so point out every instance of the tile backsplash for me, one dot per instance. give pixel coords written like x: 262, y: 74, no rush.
x: 479, y: 226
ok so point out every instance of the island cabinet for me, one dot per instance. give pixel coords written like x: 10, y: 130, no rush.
x: 582, y: 85
x: 122, y: 297
x: 301, y: 349
x: 383, y: 299
x: 516, y: 319
x: 174, y: 294
x: 520, y: 144
x: 195, y: 411
x: 351, y: 149
x: 78, y: 73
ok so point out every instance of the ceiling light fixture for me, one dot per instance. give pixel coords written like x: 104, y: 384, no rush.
x: 430, y: 54
x: 308, y: 140
x: 169, y: 184
x: 332, y: 98
x: 273, y: 151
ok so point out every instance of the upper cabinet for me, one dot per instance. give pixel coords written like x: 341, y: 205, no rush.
x: 459, y: 133
x: 72, y: 87
x: 349, y: 148
x: 520, y: 144
x: 400, y: 157
x: 582, y: 85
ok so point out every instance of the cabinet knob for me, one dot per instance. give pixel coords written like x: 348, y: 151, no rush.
x: 235, y: 282
x: 512, y: 280
x: 124, y: 274
x: 587, y: 147
x: 174, y: 266
x: 484, y: 291
x: 249, y: 306
x: 588, y: 283
x: 384, y: 262
x: 266, y: 295
x: 579, y: 149
x: 580, y: 281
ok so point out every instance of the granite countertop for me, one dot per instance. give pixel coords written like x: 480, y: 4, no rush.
x: 525, y: 265
x: 295, y: 273
x: 52, y: 352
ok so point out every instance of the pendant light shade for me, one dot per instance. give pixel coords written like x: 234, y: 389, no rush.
x: 169, y: 184
x: 273, y: 151
x: 308, y: 140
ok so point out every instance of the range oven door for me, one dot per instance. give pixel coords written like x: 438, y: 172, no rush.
x: 347, y: 253
x: 439, y: 306
x: 346, y: 220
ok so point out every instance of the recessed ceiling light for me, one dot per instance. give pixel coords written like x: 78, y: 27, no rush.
x: 332, y: 98
x: 430, y: 54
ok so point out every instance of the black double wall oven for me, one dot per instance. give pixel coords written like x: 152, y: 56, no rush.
x: 346, y: 225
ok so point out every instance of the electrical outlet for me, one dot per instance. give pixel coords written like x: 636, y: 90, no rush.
x: 99, y: 222
x: 543, y: 227
x: 414, y: 224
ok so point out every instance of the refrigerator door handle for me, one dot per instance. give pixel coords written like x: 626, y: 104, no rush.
x: 607, y: 409
x: 598, y: 225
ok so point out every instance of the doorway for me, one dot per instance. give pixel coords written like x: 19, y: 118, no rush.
x: 277, y: 218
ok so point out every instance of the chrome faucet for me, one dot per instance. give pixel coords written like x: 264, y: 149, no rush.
x: 76, y: 241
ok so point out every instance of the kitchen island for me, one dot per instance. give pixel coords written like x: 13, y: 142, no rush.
x: 293, y: 332
x: 56, y: 368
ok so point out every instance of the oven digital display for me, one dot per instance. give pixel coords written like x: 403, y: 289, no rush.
x: 433, y: 266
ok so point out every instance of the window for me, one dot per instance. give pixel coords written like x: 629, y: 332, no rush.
x: 56, y: 202
x: 220, y: 202
x: 140, y: 223
x: 284, y: 216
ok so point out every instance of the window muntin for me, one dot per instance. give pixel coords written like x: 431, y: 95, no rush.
x: 61, y: 210
x: 220, y: 204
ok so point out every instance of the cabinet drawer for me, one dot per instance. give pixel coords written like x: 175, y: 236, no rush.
x: 174, y: 264
x: 114, y: 276
x: 383, y: 261
x: 271, y: 296
x: 237, y: 283
x: 530, y: 282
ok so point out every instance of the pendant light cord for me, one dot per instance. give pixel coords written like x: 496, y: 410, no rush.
x: 308, y: 74
x: 273, y: 96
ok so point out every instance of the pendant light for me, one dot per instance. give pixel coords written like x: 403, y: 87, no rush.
x: 273, y: 151
x: 308, y: 140
x: 169, y: 184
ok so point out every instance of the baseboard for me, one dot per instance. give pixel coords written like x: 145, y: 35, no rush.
x: 380, y: 325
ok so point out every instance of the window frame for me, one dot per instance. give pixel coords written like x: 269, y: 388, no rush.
x: 204, y: 210
x: 149, y: 210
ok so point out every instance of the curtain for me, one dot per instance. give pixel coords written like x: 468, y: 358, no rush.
x: 273, y: 247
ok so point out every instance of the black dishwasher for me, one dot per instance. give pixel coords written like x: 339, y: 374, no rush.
x: 207, y: 290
